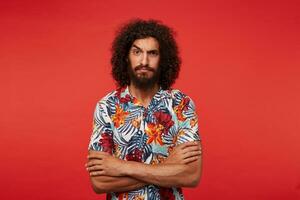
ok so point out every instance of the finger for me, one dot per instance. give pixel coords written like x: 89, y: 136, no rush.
x: 190, y: 148
x: 191, y: 159
x: 192, y: 154
x: 94, y: 168
x: 93, y: 162
x: 97, y: 173
x: 96, y: 152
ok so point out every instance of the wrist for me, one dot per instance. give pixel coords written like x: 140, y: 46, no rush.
x: 125, y: 168
x: 130, y: 168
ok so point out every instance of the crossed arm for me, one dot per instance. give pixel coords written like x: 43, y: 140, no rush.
x: 181, y: 169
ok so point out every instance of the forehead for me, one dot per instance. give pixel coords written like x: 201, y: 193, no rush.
x: 148, y: 43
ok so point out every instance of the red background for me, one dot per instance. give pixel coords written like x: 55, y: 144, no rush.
x: 240, y: 65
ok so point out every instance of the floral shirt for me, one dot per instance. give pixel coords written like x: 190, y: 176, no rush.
x: 123, y: 127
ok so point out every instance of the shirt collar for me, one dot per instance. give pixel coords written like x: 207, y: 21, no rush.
x: 160, y: 94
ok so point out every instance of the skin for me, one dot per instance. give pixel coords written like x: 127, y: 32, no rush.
x: 182, y: 168
x: 145, y: 53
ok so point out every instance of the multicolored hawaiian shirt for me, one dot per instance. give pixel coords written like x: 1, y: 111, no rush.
x: 123, y: 127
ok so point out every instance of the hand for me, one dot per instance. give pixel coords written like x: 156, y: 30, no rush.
x: 184, y: 153
x: 102, y: 163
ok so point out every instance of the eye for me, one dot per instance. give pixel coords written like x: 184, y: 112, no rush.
x: 136, y: 51
x: 153, y: 53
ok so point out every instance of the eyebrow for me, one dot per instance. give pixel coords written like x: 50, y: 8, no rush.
x: 153, y: 50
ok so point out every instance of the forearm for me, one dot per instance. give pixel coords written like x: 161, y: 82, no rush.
x: 165, y: 175
x: 105, y: 184
x: 181, y: 169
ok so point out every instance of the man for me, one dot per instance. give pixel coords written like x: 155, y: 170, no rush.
x: 145, y: 142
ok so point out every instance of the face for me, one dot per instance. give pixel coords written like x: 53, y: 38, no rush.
x: 143, y: 61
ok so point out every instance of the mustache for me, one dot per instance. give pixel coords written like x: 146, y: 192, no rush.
x: 139, y: 67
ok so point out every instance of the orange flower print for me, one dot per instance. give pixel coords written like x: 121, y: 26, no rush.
x: 117, y: 151
x: 119, y: 117
x: 180, y: 108
x: 170, y: 149
x: 180, y: 133
x: 136, y: 101
x: 139, y: 197
x: 193, y: 122
x: 154, y: 132
x: 136, y: 122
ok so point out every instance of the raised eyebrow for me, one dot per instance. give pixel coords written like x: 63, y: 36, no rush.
x: 153, y: 50
x: 136, y: 47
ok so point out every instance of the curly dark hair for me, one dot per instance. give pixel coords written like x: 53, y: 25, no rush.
x: 139, y: 29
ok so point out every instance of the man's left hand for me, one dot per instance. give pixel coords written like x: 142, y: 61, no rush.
x: 102, y: 163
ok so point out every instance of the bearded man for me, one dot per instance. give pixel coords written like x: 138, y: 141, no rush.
x: 145, y: 142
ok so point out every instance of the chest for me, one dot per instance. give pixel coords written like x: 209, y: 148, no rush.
x: 143, y: 134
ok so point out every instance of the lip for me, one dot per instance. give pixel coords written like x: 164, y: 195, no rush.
x: 143, y: 70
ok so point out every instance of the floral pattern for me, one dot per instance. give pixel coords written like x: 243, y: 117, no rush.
x: 154, y: 132
x: 123, y: 127
x: 119, y: 117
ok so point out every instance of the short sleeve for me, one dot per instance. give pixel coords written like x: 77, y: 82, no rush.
x: 102, y: 135
x: 188, y: 122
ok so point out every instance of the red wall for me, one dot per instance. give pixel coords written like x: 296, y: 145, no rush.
x: 240, y: 65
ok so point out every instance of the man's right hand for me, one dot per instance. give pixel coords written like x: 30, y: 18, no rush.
x: 184, y: 153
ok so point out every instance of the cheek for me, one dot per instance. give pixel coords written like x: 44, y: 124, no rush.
x: 133, y: 60
x: 155, y: 62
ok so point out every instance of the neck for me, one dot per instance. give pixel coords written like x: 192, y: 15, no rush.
x: 143, y: 95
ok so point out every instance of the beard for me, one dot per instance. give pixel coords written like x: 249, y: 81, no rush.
x: 143, y: 80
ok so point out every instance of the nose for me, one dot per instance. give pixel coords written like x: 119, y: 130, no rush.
x: 144, y: 59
